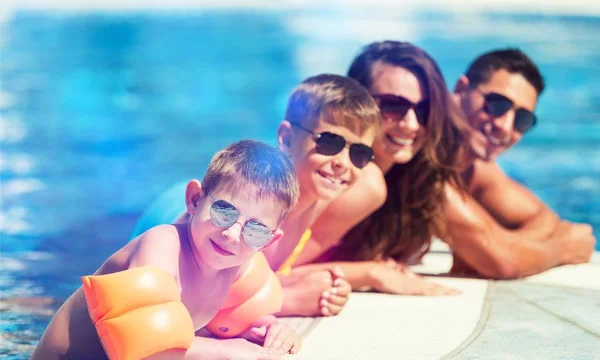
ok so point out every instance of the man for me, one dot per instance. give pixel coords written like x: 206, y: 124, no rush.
x: 499, y: 229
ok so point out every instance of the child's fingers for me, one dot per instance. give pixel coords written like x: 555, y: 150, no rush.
x: 334, y: 309
x: 296, y: 347
x: 324, y: 305
x: 259, y: 333
x: 341, y: 287
x: 337, y: 300
x: 337, y: 272
x: 276, y: 339
x: 270, y: 336
x: 287, y: 344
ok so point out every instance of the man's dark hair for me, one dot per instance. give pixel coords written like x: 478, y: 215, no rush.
x: 512, y: 60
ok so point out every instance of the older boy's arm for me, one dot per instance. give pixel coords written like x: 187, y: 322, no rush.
x: 353, y: 206
x: 357, y: 273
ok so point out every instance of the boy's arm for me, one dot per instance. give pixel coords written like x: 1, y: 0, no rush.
x: 353, y: 206
x: 216, y: 349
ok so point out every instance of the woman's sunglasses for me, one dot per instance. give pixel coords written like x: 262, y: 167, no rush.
x: 394, y: 108
x: 223, y: 214
x: 497, y: 105
x: 331, y: 144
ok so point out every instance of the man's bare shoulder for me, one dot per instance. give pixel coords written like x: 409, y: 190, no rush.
x: 487, y: 174
x: 461, y: 207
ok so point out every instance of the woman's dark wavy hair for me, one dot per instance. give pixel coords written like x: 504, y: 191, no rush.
x: 413, y: 211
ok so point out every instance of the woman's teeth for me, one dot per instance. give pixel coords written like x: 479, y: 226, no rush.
x: 401, y: 141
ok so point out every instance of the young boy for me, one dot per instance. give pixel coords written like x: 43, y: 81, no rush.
x: 329, y: 126
x: 235, y: 212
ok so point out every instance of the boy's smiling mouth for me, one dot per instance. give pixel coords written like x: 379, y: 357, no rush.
x: 220, y: 250
x: 331, y: 178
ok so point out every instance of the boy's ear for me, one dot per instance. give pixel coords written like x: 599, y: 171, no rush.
x: 277, y: 234
x: 193, y: 194
x: 284, y: 134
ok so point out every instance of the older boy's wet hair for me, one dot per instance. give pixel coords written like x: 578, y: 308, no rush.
x: 249, y: 166
x: 335, y: 99
x: 512, y: 60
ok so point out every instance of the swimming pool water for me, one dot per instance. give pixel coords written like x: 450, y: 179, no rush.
x: 100, y: 112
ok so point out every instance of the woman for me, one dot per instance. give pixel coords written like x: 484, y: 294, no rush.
x: 387, y: 219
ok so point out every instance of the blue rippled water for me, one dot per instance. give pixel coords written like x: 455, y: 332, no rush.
x: 100, y: 112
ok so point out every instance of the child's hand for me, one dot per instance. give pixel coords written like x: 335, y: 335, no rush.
x: 333, y: 300
x: 279, y: 337
x: 241, y: 349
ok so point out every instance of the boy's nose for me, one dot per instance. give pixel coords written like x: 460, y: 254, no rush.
x: 233, y: 233
x: 341, y: 161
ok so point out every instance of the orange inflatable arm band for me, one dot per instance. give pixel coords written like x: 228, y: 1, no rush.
x: 138, y: 312
x: 255, y: 294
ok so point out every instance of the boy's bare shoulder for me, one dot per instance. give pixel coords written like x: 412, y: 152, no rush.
x: 368, y: 193
x: 160, y: 246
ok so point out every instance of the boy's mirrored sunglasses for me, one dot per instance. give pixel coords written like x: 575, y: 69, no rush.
x: 223, y: 214
x: 394, y: 108
x: 498, y: 104
x: 331, y: 144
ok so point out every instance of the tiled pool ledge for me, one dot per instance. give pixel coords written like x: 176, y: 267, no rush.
x: 554, y: 315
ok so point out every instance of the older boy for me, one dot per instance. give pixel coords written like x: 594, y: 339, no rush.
x: 499, y: 229
x: 226, y: 227
x: 329, y: 127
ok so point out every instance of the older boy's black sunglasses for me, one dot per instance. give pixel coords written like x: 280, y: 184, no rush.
x: 331, y: 144
x: 497, y: 105
x: 394, y: 108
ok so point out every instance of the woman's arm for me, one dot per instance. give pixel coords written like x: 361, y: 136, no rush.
x: 383, y: 276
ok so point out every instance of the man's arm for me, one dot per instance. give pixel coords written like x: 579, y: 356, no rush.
x: 526, y: 239
x: 510, y: 204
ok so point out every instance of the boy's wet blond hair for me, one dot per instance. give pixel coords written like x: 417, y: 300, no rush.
x: 253, y: 167
x: 336, y: 99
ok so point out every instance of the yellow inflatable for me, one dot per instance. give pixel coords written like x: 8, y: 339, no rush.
x: 138, y: 312
x: 255, y: 294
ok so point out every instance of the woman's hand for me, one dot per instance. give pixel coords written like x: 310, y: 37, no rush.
x: 393, y: 278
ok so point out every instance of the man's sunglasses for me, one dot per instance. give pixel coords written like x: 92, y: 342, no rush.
x: 394, y: 108
x: 223, y: 214
x: 497, y: 105
x: 331, y: 144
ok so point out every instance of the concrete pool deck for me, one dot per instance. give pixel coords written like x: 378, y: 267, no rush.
x: 553, y: 315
